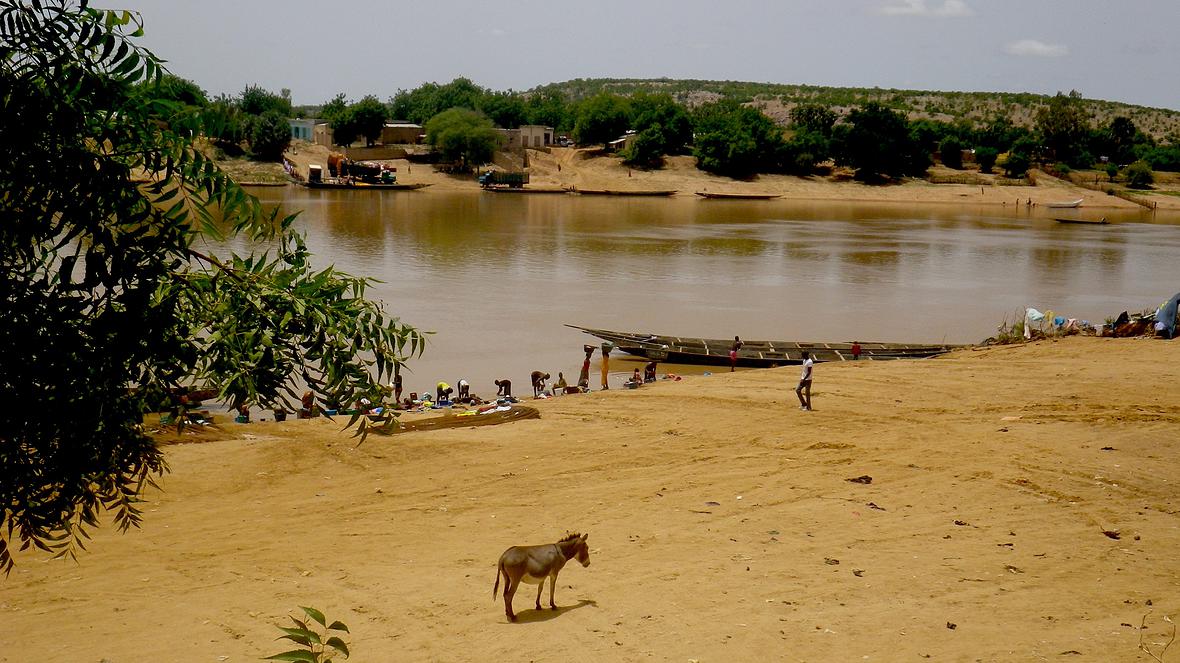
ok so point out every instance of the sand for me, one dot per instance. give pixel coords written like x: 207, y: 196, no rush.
x: 721, y: 519
x: 580, y: 168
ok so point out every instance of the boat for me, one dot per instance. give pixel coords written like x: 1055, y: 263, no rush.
x: 760, y: 354
x: 625, y: 192
x: 1065, y: 205
x: 1092, y: 222
x: 520, y: 189
x: 365, y: 186
x: 737, y: 196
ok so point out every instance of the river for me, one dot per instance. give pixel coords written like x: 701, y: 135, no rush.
x: 496, y: 276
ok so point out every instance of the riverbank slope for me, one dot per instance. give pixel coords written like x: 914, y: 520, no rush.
x: 1022, y: 506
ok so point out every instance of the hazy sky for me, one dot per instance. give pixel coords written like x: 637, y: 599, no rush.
x: 1120, y: 50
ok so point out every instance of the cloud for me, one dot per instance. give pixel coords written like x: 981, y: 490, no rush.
x: 949, y: 8
x: 1037, y: 49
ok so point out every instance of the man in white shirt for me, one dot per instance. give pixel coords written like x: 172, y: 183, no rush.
x: 803, y: 391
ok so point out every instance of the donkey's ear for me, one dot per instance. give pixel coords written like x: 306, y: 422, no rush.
x: 585, y: 536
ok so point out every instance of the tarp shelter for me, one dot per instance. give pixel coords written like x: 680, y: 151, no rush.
x: 1165, y: 317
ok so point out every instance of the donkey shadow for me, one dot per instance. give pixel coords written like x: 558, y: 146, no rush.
x: 545, y: 614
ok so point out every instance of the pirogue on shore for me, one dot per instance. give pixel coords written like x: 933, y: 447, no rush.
x: 762, y: 354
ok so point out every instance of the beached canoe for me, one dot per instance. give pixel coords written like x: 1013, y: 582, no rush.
x: 1069, y: 204
x: 1089, y: 222
x: 737, y: 196
x: 763, y: 354
x: 362, y: 186
x: 519, y: 189
x: 625, y: 192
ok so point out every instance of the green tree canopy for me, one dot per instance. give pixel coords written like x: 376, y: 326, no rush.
x: 463, y: 135
x: 110, y: 300
x: 333, y: 108
x: 547, y: 107
x: 1064, y: 128
x: 366, y: 118
x: 877, y: 142
x: 270, y: 134
x: 255, y: 101
x: 986, y: 158
x: 735, y: 140
x: 601, y: 118
x: 814, y: 118
x: 663, y: 127
x: 950, y: 150
x: 506, y: 109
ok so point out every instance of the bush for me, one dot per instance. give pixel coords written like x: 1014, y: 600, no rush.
x: 270, y: 134
x: 950, y: 150
x: 1112, y: 171
x: 1017, y: 164
x: 986, y: 158
x: 1139, y: 175
x: 1062, y: 169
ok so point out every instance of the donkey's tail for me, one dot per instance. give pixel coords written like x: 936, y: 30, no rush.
x: 496, y: 587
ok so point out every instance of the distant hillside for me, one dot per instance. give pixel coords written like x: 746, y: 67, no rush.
x: 776, y: 100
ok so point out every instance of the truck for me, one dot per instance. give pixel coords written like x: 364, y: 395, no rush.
x: 503, y: 179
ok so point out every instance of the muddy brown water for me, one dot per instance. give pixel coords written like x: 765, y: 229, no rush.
x: 496, y: 276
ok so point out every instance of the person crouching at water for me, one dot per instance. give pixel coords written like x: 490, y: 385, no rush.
x: 560, y: 386
x: 504, y: 388
x: 442, y: 392
x: 649, y: 372
x: 805, y: 383
x: 464, y: 389
x: 538, y: 379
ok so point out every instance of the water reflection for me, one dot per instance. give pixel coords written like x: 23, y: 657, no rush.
x: 496, y: 275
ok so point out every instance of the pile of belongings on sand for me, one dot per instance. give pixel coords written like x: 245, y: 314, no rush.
x: 1039, y: 325
x: 1161, y: 322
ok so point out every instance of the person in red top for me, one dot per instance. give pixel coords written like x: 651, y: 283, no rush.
x: 855, y: 350
x: 733, y: 350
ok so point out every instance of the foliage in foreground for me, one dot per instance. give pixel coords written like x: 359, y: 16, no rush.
x: 110, y: 299
x: 317, y: 645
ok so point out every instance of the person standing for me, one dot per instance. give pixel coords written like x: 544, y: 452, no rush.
x: 803, y: 391
x: 855, y: 350
x: 733, y: 350
x: 607, y: 346
x: 584, y: 376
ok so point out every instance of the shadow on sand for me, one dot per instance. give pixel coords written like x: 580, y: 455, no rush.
x: 545, y: 614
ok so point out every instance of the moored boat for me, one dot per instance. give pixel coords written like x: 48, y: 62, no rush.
x: 737, y: 196
x: 1090, y: 222
x: 762, y: 354
x: 1069, y: 204
x: 625, y: 192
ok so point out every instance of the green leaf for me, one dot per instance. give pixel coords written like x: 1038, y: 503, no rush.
x: 314, y: 614
x: 293, y: 655
x: 338, y: 645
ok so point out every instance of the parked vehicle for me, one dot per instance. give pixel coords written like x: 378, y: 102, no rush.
x: 503, y: 178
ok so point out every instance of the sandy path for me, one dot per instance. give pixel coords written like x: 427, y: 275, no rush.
x: 990, y: 482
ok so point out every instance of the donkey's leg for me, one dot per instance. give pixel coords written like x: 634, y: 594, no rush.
x: 540, y: 588
x: 509, y: 592
x: 552, y: 587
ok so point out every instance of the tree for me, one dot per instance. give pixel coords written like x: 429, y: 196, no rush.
x: 735, y: 140
x: 334, y: 108
x: 270, y: 134
x: 506, y: 109
x: 601, y: 118
x: 366, y: 118
x: 255, y: 101
x: 106, y: 289
x: 814, y: 118
x: 1017, y: 164
x: 1121, y: 135
x: 177, y: 89
x: 986, y: 158
x: 950, y: 150
x: 1064, y: 126
x: 463, y: 135
x: 1139, y: 175
x: 878, y: 142
x: 549, y: 108
x: 663, y: 127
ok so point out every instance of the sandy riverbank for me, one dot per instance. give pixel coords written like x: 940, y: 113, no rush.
x: 722, y: 525
x: 576, y: 168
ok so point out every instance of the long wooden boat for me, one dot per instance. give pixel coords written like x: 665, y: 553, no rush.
x: 763, y: 354
x: 737, y: 196
x: 1065, y: 205
x: 625, y: 192
x: 519, y: 189
x: 1089, y: 222
x: 362, y: 186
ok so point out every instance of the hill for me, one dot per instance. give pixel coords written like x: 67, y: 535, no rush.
x: 776, y: 100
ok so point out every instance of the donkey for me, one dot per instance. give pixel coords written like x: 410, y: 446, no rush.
x: 532, y: 564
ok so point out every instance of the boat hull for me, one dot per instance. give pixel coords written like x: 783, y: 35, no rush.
x: 364, y: 187
x: 755, y: 354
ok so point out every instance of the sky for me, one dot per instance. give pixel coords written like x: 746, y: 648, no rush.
x: 1118, y: 50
